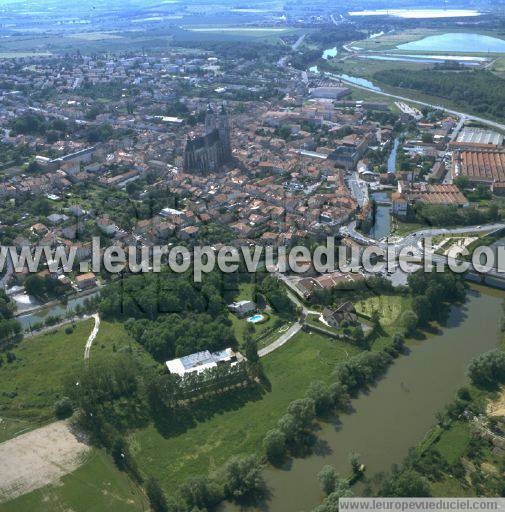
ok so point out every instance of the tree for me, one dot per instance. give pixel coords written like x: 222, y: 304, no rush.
x: 409, y: 321
x: 340, y: 396
x: 327, y: 478
x: 200, y: 493
x: 422, y: 308
x: 251, y: 349
x: 427, y: 137
x: 320, y: 393
x: 303, y: 411
x: 63, y: 408
x: 488, y: 369
x: 289, y: 427
x: 375, y: 318
x: 242, y: 477
x: 124, y: 459
x: 156, y: 496
x: 409, y: 484
x: 330, y: 504
x: 35, y: 285
x: 274, y: 444
x: 355, y: 463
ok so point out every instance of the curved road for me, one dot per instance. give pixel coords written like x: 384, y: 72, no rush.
x: 413, y: 238
x: 469, y: 117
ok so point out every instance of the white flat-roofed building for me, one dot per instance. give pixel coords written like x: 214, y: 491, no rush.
x: 170, y: 212
x: 480, y: 136
x: 201, y: 361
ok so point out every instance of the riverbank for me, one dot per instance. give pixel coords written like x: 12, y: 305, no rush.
x: 396, y: 414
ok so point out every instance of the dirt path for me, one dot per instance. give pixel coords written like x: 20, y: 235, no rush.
x: 92, y: 336
x: 38, y: 458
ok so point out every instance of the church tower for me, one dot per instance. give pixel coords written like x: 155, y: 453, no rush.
x: 210, y: 120
x: 224, y: 131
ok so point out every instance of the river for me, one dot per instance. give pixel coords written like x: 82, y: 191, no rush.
x: 382, y: 224
x: 59, y: 309
x: 396, y: 414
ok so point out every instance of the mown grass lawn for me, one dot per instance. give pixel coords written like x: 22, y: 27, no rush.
x: 239, y: 427
x: 96, y: 486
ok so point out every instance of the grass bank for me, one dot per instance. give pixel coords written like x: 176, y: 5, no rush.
x: 239, y: 427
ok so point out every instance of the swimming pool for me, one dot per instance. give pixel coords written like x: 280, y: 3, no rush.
x: 255, y: 318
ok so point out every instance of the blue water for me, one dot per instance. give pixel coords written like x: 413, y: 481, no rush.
x: 255, y: 319
x: 360, y: 81
x: 456, y: 42
x: 392, y: 157
x: 330, y: 53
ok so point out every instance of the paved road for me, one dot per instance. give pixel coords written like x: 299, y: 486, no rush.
x: 92, y: 336
x: 469, y: 117
x: 359, y: 189
x: 299, y: 41
x: 281, y: 340
x: 413, y: 238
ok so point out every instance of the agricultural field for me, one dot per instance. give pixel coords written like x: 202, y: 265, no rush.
x: 238, y: 427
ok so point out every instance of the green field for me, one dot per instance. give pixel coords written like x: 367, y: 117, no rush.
x: 30, y: 385
x: 392, y: 40
x: 390, y: 308
x: 206, y: 445
x: 453, y: 442
x: 96, y: 486
x: 112, y: 339
x: 499, y: 65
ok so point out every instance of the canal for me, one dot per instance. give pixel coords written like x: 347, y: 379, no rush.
x: 396, y: 414
x: 382, y: 224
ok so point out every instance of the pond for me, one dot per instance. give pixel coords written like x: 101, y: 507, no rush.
x: 456, y: 42
x: 396, y: 414
x: 360, y: 81
x: 330, y: 53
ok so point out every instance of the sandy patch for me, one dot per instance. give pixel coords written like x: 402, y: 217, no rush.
x: 497, y: 408
x: 38, y: 458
